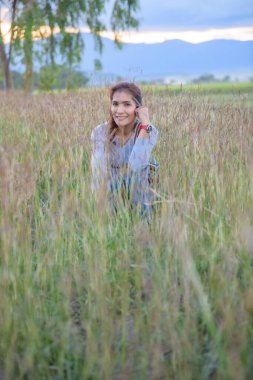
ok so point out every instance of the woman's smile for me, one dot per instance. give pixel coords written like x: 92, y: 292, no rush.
x: 120, y: 118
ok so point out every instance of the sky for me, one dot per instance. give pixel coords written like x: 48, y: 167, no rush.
x: 195, y: 13
x: 192, y: 20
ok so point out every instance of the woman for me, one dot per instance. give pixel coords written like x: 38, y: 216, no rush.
x: 121, y: 150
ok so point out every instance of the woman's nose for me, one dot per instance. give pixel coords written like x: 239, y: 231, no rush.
x: 120, y: 108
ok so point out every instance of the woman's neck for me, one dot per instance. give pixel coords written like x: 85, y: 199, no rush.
x: 124, y: 134
x: 125, y: 131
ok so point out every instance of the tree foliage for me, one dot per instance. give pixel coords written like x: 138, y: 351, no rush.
x: 60, y: 77
x: 48, y: 78
x: 58, y: 24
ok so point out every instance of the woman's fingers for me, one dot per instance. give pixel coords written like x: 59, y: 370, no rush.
x: 142, y: 113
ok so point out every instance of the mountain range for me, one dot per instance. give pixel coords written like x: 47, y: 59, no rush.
x: 168, y: 61
x: 173, y: 58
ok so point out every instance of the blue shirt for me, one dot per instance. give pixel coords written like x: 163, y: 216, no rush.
x: 122, y: 166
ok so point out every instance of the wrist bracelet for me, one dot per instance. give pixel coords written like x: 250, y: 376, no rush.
x: 146, y: 127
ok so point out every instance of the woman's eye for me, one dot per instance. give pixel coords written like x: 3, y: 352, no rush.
x: 124, y: 104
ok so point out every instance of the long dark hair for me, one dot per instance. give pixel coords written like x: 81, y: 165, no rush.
x: 134, y: 90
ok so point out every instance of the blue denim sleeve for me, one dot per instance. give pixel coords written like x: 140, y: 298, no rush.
x: 98, y: 156
x: 140, y: 155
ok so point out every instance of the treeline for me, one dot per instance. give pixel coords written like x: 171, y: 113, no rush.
x: 210, y: 78
x: 49, y: 78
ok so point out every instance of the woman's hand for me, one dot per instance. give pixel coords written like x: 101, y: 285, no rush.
x: 142, y: 114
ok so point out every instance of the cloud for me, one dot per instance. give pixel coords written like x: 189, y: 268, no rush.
x: 183, y: 14
x: 192, y: 36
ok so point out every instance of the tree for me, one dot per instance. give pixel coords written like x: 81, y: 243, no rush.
x: 57, y: 23
x: 5, y: 57
x: 205, y: 78
x: 60, y: 77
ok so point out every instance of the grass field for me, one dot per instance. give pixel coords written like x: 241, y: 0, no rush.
x: 88, y: 296
x: 232, y: 88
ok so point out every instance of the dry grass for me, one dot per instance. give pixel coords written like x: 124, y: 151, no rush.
x: 88, y: 296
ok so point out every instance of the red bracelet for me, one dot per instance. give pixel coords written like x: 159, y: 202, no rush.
x: 146, y: 127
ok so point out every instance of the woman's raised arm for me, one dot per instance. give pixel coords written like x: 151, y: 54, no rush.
x: 140, y: 155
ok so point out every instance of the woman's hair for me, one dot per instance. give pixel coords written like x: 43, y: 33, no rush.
x: 134, y: 90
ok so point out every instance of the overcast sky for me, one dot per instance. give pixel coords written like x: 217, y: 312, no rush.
x: 191, y: 20
x: 189, y: 14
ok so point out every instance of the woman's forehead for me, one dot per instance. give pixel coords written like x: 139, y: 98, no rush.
x: 122, y: 95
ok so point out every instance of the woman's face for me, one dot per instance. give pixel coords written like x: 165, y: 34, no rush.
x: 123, y: 108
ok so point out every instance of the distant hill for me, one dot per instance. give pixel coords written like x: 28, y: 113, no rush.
x: 171, y: 58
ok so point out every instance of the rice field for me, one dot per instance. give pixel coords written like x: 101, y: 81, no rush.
x: 88, y: 295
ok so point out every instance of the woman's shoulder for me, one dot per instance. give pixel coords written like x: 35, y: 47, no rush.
x: 99, y: 131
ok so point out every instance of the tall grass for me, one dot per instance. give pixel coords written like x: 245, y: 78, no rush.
x: 87, y: 295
